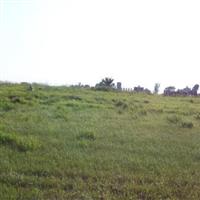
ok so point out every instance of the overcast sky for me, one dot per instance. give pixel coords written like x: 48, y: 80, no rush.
x: 70, y: 41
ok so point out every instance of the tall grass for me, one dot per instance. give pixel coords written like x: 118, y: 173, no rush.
x: 70, y: 143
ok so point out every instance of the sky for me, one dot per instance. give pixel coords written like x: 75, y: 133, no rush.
x: 136, y: 42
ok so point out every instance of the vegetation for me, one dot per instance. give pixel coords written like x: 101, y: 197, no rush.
x: 78, y: 143
x: 18, y: 142
x: 106, y: 84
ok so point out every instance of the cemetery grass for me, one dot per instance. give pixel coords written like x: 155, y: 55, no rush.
x: 72, y: 143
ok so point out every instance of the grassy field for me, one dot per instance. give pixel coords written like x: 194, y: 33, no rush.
x: 70, y: 143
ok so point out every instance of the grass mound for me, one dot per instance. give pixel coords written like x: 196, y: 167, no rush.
x: 174, y: 119
x: 18, y: 142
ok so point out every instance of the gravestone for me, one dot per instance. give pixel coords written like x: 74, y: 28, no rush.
x: 119, y: 86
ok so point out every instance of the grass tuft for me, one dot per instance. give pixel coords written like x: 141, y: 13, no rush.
x: 87, y: 135
x: 187, y: 124
x: 5, y: 106
x: 197, y: 116
x: 121, y: 104
x: 174, y: 119
x: 18, y: 142
x: 14, y: 99
x: 73, y: 97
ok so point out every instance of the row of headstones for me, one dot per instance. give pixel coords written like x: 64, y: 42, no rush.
x: 135, y: 89
x: 171, y: 91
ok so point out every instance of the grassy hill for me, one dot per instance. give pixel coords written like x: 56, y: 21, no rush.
x: 69, y: 143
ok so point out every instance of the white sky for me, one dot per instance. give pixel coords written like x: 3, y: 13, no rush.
x: 70, y: 41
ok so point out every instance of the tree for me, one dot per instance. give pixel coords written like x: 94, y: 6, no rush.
x: 156, y: 88
x: 106, y: 84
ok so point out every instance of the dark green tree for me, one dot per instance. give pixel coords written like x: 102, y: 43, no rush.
x: 106, y: 84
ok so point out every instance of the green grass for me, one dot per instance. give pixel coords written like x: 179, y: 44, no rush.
x: 18, y: 142
x: 70, y: 143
